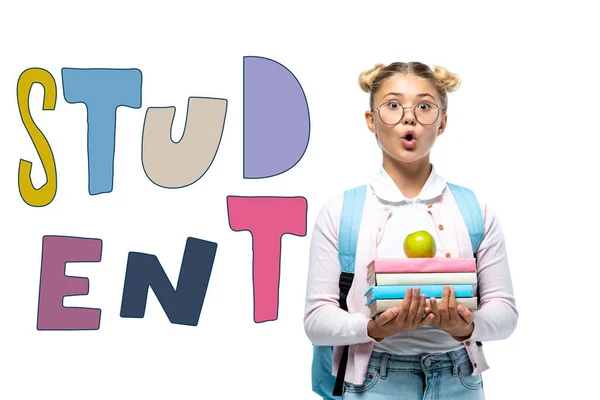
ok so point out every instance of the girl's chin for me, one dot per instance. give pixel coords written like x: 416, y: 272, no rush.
x: 405, y: 156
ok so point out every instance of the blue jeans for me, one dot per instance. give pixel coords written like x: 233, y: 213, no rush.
x: 428, y: 377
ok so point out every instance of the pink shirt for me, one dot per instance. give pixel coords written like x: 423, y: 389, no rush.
x: 327, y: 324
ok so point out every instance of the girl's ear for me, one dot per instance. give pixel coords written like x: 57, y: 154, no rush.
x: 370, y: 121
x: 443, y: 124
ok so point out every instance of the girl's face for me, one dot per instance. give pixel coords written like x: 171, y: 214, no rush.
x: 406, y: 137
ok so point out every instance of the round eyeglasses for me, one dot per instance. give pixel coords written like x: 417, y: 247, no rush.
x: 391, y: 112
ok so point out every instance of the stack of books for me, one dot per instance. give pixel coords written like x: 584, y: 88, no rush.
x: 389, y: 278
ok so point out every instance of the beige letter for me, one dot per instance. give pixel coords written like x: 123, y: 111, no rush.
x: 175, y: 165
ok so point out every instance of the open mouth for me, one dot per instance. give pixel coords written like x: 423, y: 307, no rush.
x: 409, y: 140
x: 409, y: 136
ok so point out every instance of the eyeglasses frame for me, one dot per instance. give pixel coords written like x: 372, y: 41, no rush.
x: 413, y: 110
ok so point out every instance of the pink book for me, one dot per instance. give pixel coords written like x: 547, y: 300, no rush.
x: 420, y: 265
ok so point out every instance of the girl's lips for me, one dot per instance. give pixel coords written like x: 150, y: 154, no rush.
x: 409, y: 144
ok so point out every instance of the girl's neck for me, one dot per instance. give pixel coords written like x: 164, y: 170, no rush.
x: 408, y: 177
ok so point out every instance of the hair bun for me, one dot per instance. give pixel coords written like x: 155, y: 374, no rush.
x: 450, y: 80
x: 366, y: 78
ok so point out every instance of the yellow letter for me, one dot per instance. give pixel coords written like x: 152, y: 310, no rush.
x: 45, y: 194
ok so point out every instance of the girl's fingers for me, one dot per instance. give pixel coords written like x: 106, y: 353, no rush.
x: 420, y: 310
x: 465, y: 314
x: 435, y: 311
x: 427, y: 320
x: 444, y: 307
x: 452, y: 312
x: 414, y: 306
x: 387, y: 316
x: 406, y: 303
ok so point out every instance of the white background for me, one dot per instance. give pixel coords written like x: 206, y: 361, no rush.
x: 522, y: 130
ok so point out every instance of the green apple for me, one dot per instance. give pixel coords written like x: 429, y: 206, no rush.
x: 420, y: 244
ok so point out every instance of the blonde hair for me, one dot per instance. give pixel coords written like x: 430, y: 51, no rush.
x: 443, y: 80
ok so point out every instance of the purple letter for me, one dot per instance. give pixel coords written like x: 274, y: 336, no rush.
x: 276, y: 120
x: 54, y: 285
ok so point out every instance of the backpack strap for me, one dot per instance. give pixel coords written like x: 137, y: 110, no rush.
x: 472, y: 215
x: 354, y: 200
x: 352, y: 208
x: 471, y: 212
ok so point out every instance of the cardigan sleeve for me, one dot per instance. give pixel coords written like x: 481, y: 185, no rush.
x: 325, y: 323
x: 497, y: 316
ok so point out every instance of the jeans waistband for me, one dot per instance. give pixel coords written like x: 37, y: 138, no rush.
x: 428, y: 362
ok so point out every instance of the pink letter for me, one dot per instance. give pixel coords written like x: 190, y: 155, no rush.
x: 267, y: 219
x: 54, y: 285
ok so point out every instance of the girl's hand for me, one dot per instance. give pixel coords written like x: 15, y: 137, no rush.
x: 401, y: 319
x: 455, y: 320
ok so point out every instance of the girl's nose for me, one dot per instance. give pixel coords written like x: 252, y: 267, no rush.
x: 408, y: 117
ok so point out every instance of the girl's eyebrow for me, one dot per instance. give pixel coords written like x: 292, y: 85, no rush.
x: 400, y: 95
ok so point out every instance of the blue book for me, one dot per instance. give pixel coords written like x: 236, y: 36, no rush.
x: 397, y: 291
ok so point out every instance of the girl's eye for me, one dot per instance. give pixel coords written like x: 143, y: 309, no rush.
x: 393, y: 105
x: 424, y: 106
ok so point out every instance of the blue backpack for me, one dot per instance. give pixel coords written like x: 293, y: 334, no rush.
x: 323, y: 382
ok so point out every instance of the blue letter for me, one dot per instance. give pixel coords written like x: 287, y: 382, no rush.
x: 102, y: 91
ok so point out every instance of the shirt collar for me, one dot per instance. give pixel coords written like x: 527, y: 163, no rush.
x: 385, y: 188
